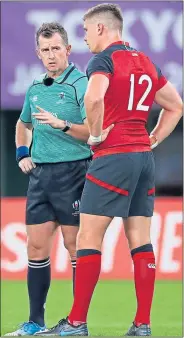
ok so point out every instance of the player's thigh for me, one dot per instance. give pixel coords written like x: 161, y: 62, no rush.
x: 66, y: 190
x: 39, y: 239
x: 38, y: 208
x: 137, y: 230
x: 92, y: 230
x: 109, y: 185
x: 142, y: 202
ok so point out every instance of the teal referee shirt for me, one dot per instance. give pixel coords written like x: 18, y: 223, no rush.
x: 65, y: 100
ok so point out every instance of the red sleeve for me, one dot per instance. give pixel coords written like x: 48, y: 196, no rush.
x: 161, y: 82
x: 108, y: 75
x: 161, y: 78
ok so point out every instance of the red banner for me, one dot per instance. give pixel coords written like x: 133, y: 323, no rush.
x: 166, y: 233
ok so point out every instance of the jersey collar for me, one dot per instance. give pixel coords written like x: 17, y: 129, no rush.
x: 62, y: 76
x: 120, y: 42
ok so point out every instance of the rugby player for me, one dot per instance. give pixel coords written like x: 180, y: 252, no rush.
x: 123, y: 84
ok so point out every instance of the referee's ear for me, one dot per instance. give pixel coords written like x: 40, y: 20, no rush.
x: 68, y: 50
x: 38, y: 53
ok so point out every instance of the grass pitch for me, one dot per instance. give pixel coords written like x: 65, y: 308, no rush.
x: 111, y: 312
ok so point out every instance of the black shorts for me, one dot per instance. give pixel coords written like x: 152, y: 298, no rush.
x: 54, y: 192
x: 120, y: 185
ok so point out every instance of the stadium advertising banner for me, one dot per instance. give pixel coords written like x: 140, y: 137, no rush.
x: 154, y: 27
x: 116, y: 262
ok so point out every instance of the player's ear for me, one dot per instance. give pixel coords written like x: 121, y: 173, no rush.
x: 68, y: 50
x: 100, y: 28
x: 38, y: 53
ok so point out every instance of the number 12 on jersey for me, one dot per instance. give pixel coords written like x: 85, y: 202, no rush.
x: 140, y: 105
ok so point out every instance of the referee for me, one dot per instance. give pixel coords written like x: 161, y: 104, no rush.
x: 53, y: 120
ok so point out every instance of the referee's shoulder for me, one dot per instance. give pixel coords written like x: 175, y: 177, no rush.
x: 77, y: 77
x: 38, y: 80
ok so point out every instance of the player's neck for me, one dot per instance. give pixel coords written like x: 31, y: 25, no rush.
x: 56, y: 74
x: 110, y: 40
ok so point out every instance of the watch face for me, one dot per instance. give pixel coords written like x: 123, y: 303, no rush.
x: 68, y: 124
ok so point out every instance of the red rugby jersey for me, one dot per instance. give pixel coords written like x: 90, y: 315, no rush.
x: 134, y: 80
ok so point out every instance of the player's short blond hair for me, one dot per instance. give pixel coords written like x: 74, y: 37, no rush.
x: 111, y: 12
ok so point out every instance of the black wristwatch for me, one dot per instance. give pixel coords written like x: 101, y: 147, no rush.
x: 67, y: 127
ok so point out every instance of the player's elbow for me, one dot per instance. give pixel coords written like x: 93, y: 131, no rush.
x: 93, y: 100
x: 177, y: 107
x: 180, y: 107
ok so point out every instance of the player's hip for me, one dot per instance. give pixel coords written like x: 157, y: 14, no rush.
x: 120, y: 185
x: 118, y: 166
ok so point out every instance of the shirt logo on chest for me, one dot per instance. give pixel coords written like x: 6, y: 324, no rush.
x: 35, y: 98
x: 61, y: 98
x: 62, y: 95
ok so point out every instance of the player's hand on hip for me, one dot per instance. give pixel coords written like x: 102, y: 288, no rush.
x: 153, y: 141
x: 106, y: 131
x: 26, y: 165
x: 104, y: 135
x: 46, y: 117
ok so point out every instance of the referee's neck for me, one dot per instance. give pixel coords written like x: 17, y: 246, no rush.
x: 58, y: 72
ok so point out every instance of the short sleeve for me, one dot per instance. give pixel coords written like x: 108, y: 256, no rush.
x: 80, y: 87
x: 100, y: 65
x: 25, y: 115
x: 161, y: 78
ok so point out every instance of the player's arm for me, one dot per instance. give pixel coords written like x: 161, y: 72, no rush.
x: 23, y: 137
x: 94, y: 102
x: 169, y: 99
x: 99, y: 71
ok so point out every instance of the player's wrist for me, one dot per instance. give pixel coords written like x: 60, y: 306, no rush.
x: 22, y: 152
x: 153, y: 141
x: 95, y: 139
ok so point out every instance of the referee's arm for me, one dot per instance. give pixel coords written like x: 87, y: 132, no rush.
x: 23, y: 136
x: 79, y: 131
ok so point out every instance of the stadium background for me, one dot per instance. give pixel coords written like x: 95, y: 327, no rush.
x: 155, y: 28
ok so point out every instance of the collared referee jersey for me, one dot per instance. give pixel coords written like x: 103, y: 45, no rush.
x: 65, y: 100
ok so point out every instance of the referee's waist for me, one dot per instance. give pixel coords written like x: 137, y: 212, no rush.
x: 60, y: 162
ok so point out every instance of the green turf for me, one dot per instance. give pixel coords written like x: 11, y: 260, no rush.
x: 111, y: 311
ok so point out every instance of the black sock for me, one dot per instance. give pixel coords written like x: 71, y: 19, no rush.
x: 38, y: 281
x: 73, y: 262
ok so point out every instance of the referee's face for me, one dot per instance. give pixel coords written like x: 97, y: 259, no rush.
x: 54, y: 53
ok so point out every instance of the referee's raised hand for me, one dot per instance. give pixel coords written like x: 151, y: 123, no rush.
x: 26, y: 165
x: 46, y: 117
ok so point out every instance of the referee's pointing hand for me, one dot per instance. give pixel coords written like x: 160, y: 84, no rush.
x: 47, y: 118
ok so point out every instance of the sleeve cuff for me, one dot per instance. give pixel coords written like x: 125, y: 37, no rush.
x: 25, y: 121
x: 161, y: 82
x: 108, y: 75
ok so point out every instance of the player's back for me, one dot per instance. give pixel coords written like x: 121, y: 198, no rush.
x: 133, y: 82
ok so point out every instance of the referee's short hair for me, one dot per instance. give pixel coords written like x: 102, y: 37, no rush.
x: 111, y: 12
x: 47, y: 29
